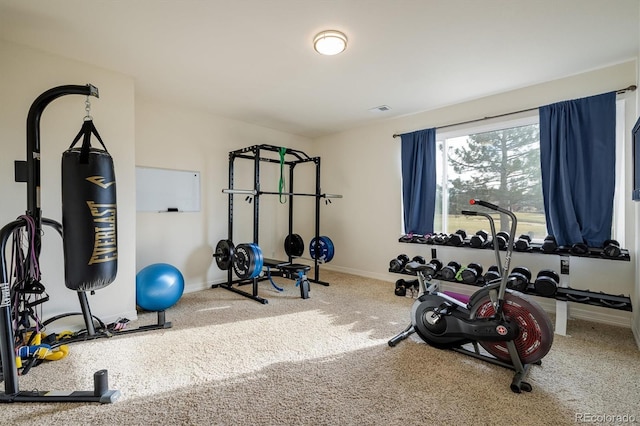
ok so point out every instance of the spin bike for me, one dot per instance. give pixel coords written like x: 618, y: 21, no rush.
x: 514, y: 331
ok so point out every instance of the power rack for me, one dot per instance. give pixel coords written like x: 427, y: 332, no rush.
x: 286, y: 157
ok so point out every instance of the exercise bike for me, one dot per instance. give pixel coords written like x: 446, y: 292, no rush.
x: 514, y: 331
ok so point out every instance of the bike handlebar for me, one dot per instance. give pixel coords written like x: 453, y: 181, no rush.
x: 493, y: 207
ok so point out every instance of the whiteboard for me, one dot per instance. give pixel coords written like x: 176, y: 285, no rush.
x: 164, y: 190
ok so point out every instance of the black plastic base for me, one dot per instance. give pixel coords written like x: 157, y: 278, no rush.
x: 100, y: 393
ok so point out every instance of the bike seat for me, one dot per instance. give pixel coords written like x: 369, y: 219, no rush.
x: 416, y: 266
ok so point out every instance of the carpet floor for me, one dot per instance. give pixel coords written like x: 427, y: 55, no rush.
x: 228, y: 360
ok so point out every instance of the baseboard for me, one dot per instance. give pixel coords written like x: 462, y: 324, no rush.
x: 576, y: 310
x: 76, y: 322
x: 366, y: 274
x: 194, y: 287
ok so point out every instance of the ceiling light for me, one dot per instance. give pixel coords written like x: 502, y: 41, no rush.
x: 330, y: 42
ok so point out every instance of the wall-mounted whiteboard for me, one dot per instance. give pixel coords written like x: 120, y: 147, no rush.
x: 164, y: 190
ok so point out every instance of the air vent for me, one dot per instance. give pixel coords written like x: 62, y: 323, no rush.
x: 381, y: 108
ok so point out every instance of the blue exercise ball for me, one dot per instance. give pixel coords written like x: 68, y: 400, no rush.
x: 159, y: 287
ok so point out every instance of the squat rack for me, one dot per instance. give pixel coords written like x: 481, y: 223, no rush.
x: 291, y: 158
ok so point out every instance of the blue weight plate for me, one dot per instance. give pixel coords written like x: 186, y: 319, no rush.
x: 330, y: 248
x: 259, y: 260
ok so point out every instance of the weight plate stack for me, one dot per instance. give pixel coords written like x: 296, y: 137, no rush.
x: 248, y: 261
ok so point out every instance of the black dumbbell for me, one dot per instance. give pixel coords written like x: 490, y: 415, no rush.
x: 492, y: 274
x: 440, y: 239
x: 405, y: 238
x: 546, y: 283
x: 523, y: 243
x: 579, y: 249
x: 397, y: 264
x: 450, y: 271
x: 434, y: 266
x: 400, y: 290
x: 502, y: 239
x: 479, y: 240
x: 549, y: 245
x: 457, y: 238
x: 421, y: 239
x: 611, y: 249
x: 402, y: 286
x: 419, y: 259
x: 472, y: 273
x: 519, y: 279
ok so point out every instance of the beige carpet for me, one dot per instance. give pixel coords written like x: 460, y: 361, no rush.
x: 325, y: 361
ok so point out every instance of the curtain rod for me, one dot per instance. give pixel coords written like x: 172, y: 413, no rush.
x: 618, y: 92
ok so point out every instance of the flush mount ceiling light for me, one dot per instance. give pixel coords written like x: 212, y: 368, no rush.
x: 330, y: 42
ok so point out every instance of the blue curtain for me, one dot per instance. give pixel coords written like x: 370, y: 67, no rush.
x: 419, y: 180
x: 577, y: 156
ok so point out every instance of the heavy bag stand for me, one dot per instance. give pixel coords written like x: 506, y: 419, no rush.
x: 31, y: 174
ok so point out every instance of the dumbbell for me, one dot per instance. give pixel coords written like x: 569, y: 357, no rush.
x: 400, y: 290
x: 523, y: 243
x: 492, y: 274
x: 397, y: 264
x: 502, y: 239
x: 549, y: 245
x: 579, y: 249
x: 421, y: 239
x: 434, y: 266
x: 419, y: 259
x: 457, y: 238
x: 472, y: 273
x: 546, y: 283
x: 402, y: 286
x: 519, y: 279
x: 440, y: 239
x: 450, y: 271
x: 479, y: 240
x: 611, y: 249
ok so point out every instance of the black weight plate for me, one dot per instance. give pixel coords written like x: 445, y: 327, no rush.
x: 224, y: 254
x: 293, y: 245
x: 244, y: 261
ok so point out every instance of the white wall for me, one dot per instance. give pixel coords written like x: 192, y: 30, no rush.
x: 179, y: 138
x: 27, y: 73
x: 365, y: 164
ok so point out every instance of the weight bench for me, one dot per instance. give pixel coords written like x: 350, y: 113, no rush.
x: 294, y: 271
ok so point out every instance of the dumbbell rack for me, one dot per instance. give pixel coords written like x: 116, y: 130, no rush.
x: 565, y: 294
x: 256, y: 153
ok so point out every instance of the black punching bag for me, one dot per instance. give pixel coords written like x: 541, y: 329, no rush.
x: 88, y: 214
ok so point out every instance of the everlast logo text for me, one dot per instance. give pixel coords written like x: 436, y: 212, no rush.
x: 104, y: 219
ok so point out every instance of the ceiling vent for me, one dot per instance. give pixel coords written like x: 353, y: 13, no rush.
x: 381, y: 108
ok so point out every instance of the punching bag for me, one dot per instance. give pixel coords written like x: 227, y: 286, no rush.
x: 88, y: 214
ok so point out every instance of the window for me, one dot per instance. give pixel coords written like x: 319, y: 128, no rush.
x: 499, y: 163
